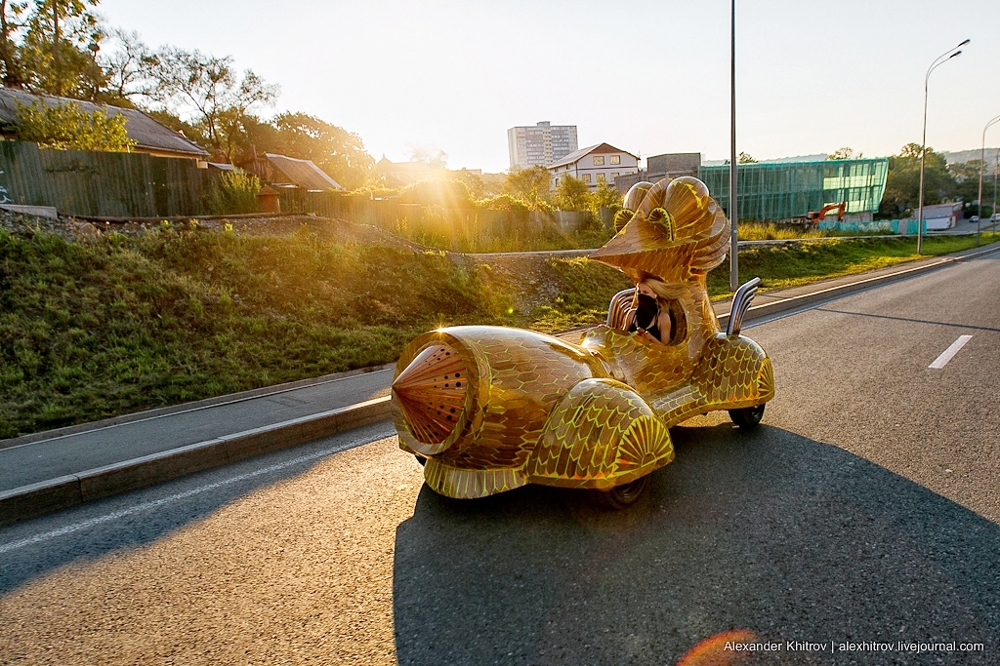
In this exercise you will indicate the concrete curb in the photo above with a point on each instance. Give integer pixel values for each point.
(66, 491)
(195, 405)
(793, 302)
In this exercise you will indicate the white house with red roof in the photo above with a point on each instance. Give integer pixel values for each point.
(593, 165)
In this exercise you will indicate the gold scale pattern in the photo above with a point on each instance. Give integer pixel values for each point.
(534, 409)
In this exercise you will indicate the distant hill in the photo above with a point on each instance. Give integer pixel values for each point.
(961, 156)
(818, 157)
(956, 157)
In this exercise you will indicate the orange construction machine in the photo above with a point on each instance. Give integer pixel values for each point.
(816, 217)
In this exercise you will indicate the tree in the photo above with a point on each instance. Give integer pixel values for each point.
(606, 196)
(966, 176)
(845, 153)
(963, 171)
(58, 54)
(902, 186)
(478, 188)
(572, 194)
(11, 23)
(437, 159)
(445, 193)
(68, 127)
(209, 91)
(339, 153)
(333, 149)
(529, 185)
(125, 68)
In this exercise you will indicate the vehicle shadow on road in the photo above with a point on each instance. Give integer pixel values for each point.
(792, 539)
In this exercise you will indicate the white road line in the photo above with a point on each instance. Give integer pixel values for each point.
(69, 529)
(950, 352)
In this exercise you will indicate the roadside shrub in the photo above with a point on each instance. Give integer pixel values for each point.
(443, 193)
(234, 192)
(68, 127)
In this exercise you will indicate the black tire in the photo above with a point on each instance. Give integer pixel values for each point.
(622, 497)
(420, 459)
(747, 418)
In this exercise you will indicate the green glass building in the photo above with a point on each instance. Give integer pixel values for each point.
(787, 190)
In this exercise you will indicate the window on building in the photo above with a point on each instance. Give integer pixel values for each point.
(598, 160)
(616, 159)
(601, 178)
(615, 174)
(586, 177)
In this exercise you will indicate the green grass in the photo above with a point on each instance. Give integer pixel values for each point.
(793, 265)
(120, 324)
(770, 231)
(442, 234)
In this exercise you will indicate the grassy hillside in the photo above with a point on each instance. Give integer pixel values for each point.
(121, 323)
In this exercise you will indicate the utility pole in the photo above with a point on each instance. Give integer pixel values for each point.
(734, 259)
(55, 47)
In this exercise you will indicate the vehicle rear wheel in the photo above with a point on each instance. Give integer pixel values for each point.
(622, 497)
(748, 417)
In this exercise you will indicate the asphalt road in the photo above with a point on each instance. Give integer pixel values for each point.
(866, 508)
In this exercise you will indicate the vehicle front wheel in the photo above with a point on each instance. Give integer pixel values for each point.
(748, 417)
(622, 497)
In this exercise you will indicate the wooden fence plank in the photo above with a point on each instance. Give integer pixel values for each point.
(103, 184)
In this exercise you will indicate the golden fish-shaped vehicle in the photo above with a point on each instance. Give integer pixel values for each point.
(489, 409)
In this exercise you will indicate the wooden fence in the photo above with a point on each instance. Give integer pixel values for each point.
(100, 183)
(394, 216)
(96, 184)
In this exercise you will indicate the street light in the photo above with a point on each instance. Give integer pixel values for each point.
(734, 262)
(982, 167)
(996, 167)
(940, 60)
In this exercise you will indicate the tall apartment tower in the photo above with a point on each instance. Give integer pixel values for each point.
(540, 145)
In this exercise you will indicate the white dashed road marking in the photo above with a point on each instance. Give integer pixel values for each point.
(950, 352)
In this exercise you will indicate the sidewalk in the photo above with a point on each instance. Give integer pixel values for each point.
(52, 470)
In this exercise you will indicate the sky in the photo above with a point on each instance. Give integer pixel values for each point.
(647, 77)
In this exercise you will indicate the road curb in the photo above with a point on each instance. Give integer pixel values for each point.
(66, 491)
(793, 302)
(230, 398)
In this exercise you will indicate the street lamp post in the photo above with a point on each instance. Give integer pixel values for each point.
(734, 262)
(940, 60)
(982, 167)
(996, 167)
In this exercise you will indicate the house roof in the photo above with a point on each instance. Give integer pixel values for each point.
(384, 165)
(578, 155)
(149, 135)
(303, 173)
(399, 174)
